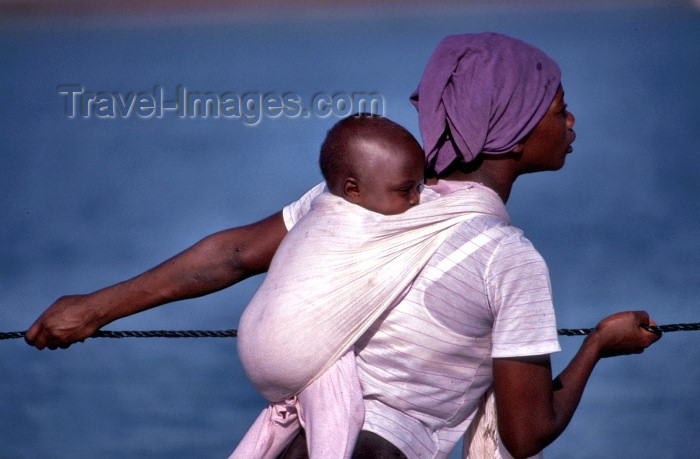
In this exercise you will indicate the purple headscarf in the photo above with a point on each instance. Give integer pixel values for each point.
(490, 90)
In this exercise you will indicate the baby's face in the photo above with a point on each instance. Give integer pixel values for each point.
(394, 181)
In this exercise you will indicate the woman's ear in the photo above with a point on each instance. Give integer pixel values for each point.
(519, 148)
(351, 189)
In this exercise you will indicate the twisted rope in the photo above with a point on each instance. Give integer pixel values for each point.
(233, 333)
(147, 334)
(659, 329)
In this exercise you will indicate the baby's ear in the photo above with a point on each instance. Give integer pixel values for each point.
(351, 189)
(518, 148)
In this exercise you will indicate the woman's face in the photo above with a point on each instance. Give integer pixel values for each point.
(547, 145)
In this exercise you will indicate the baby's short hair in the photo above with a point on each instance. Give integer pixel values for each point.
(337, 159)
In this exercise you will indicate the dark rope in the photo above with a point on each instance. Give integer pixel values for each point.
(147, 334)
(233, 333)
(656, 329)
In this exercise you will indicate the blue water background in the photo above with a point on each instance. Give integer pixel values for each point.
(87, 202)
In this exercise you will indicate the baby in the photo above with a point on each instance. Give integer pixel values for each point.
(374, 163)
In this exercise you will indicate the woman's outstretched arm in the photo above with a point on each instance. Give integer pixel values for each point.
(214, 263)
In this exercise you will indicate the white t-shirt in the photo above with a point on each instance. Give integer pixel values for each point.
(425, 364)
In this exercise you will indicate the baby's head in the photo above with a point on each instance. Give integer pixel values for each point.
(373, 162)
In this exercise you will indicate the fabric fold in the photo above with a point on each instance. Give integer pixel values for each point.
(335, 273)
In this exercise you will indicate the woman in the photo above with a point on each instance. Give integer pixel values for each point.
(491, 108)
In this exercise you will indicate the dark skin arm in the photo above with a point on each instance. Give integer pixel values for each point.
(214, 263)
(532, 409)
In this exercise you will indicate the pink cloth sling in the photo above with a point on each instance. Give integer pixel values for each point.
(279, 422)
(334, 274)
(330, 410)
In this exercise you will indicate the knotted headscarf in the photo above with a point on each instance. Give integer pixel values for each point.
(481, 93)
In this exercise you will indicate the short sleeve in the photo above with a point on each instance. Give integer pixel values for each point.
(521, 300)
(294, 211)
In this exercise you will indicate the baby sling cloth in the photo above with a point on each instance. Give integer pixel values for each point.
(337, 270)
(334, 274)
